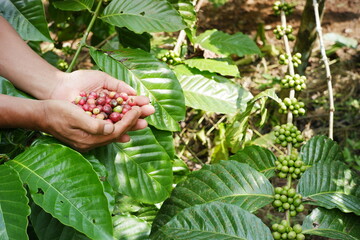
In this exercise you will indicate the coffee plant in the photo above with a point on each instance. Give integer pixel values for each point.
(142, 189)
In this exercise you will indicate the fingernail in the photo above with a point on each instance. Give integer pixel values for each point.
(108, 128)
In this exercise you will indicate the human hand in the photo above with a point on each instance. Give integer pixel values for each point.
(71, 125)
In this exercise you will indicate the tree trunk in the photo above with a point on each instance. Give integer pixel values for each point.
(307, 34)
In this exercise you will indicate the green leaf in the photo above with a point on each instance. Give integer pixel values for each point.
(143, 16)
(224, 44)
(65, 185)
(130, 39)
(186, 10)
(74, 5)
(215, 220)
(228, 181)
(27, 17)
(7, 88)
(140, 168)
(130, 228)
(215, 66)
(320, 149)
(14, 207)
(204, 91)
(166, 140)
(257, 157)
(331, 185)
(237, 129)
(332, 224)
(149, 77)
(47, 227)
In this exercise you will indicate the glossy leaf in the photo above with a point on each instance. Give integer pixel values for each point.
(332, 224)
(224, 44)
(65, 185)
(140, 168)
(47, 227)
(320, 149)
(331, 185)
(130, 39)
(74, 5)
(14, 207)
(31, 25)
(143, 16)
(149, 77)
(130, 228)
(257, 157)
(204, 91)
(214, 220)
(166, 140)
(186, 10)
(214, 66)
(228, 181)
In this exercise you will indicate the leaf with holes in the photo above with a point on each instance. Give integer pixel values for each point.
(228, 181)
(65, 185)
(143, 16)
(331, 185)
(332, 224)
(74, 5)
(14, 207)
(149, 77)
(257, 157)
(210, 92)
(140, 168)
(214, 220)
(320, 149)
(31, 25)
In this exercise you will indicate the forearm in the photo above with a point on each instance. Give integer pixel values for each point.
(20, 112)
(23, 67)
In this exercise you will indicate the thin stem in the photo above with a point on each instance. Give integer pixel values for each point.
(327, 69)
(84, 38)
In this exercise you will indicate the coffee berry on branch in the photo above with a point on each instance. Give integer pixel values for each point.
(285, 58)
(109, 106)
(293, 105)
(294, 81)
(286, 198)
(286, 7)
(171, 58)
(288, 134)
(285, 231)
(290, 165)
(280, 31)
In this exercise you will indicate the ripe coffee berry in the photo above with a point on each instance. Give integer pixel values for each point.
(109, 106)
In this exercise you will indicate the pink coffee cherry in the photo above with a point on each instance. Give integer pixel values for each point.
(124, 96)
(115, 117)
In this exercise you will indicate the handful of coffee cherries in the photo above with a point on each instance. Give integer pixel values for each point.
(109, 106)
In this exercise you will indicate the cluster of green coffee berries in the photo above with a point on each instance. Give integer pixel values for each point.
(284, 231)
(290, 165)
(281, 31)
(171, 58)
(288, 134)
(294, 81)
(285, 58)
(286, 7)
(293, 105)
(286, 198)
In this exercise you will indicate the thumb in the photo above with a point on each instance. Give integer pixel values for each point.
(94, 126)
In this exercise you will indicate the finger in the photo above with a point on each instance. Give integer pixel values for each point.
(113, 84)
(91, 125)
(141, 100)
(124, 138)
(147, 110)
(140, 124)
(127, 122)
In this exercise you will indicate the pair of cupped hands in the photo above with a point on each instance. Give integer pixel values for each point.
(71, 125)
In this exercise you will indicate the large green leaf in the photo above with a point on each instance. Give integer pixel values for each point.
(228, 181)
(210, 92)
(27, 17)
(215, 220)
(257, 157)
(215, 66)
(332, 224)
(149, 77)
(331, 185)
(143, 16)
(14, 207)
(186, 10)
(140, 168)
(224, 44)
(320, 149)
(65, 185)
(130, 39)
(130, 228)
(47, 227)
(74, 5)
(166, 140)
